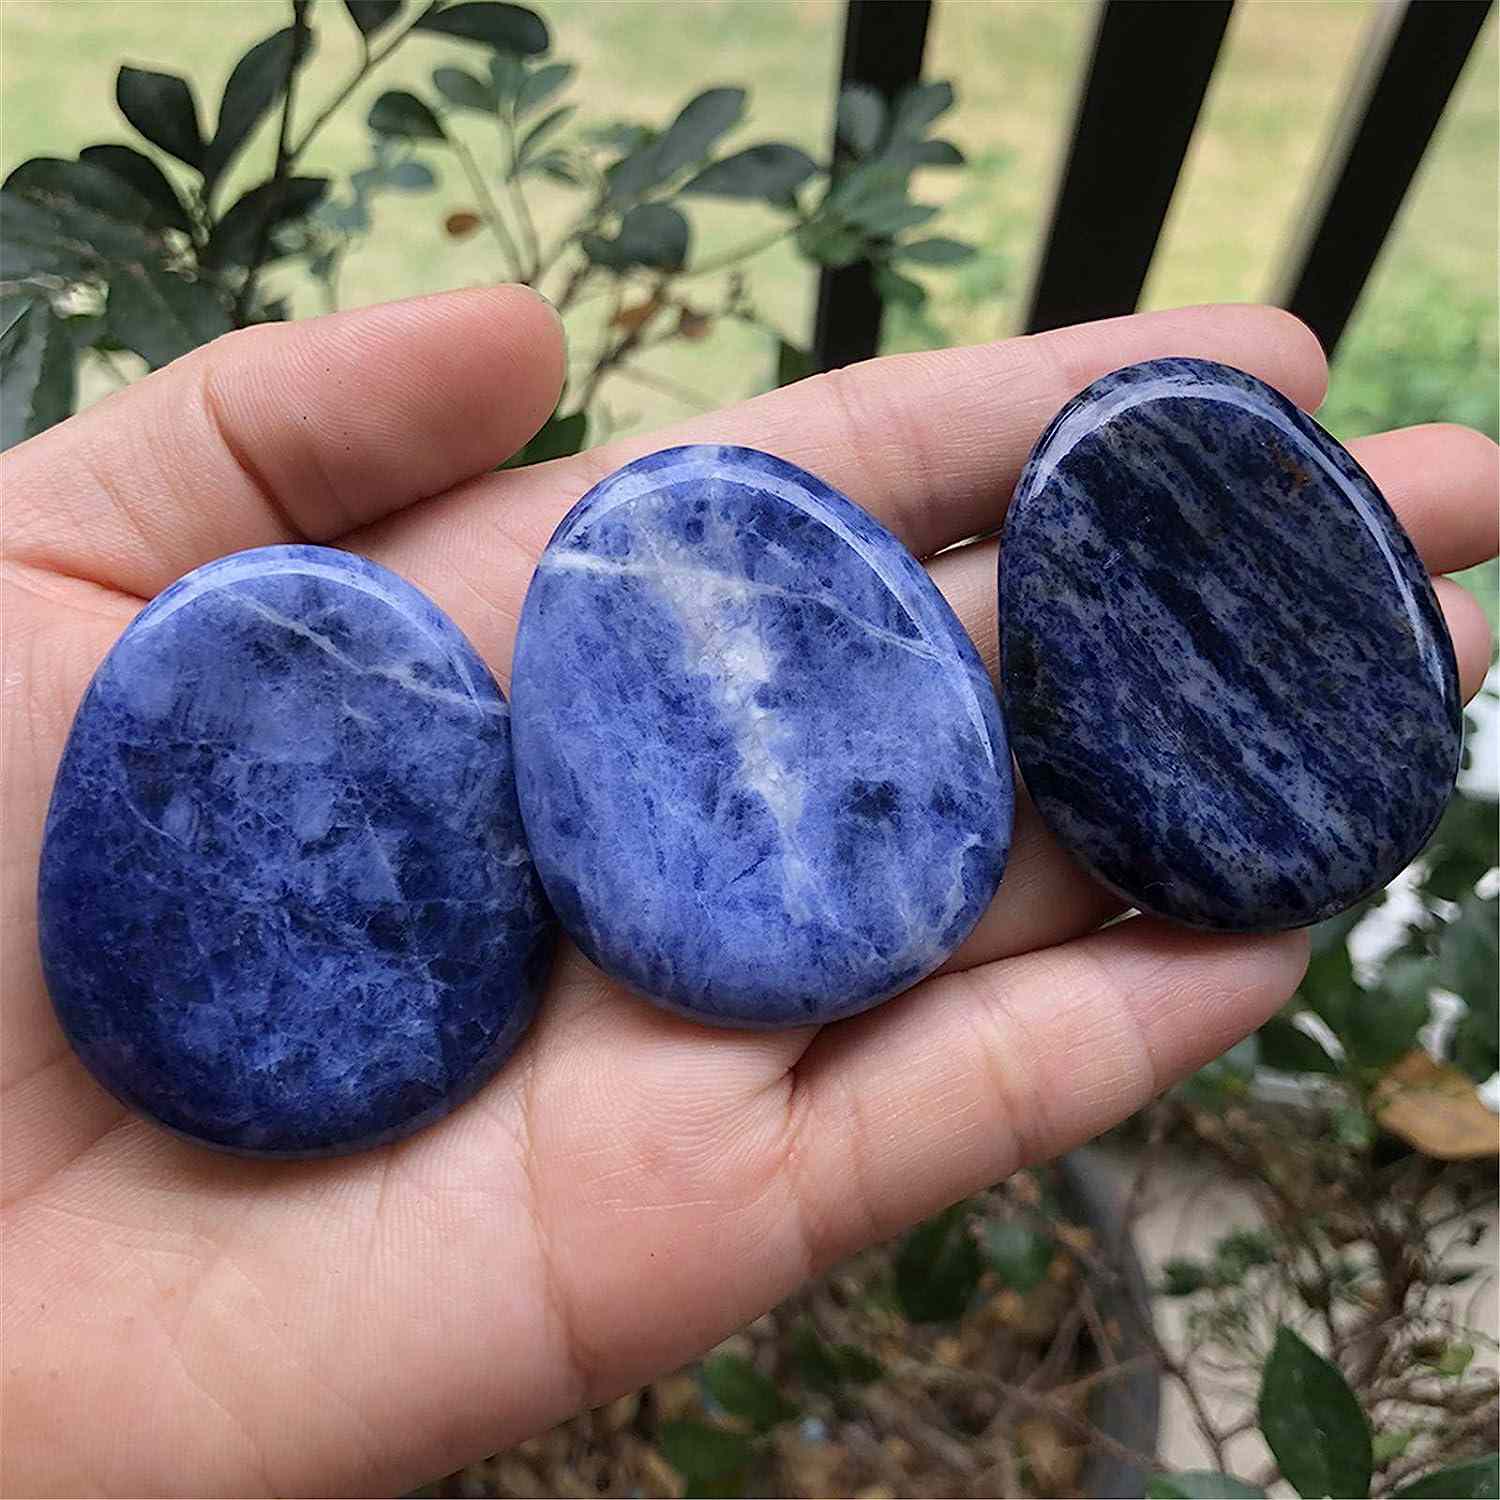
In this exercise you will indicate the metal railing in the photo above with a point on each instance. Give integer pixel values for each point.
(1150, 67)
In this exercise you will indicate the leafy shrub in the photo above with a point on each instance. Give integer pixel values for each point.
(110, 253)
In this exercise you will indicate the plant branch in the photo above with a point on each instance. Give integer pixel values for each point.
(518, 200)
(489, 210)
(370, 60)
(741, 252)
(300, 37)
(628, 344)
(667, 387)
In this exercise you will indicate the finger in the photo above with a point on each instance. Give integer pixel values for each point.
(1470, 631)
(933, 443)
(973, 1075)
(930, 443)
(285, 432)
(1442, 481)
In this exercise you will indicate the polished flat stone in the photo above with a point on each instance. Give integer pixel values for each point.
(760, 765)
(1227, 681)
(286, 905)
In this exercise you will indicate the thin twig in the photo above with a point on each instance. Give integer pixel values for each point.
(682, 393)
(369, 61)
(300, 38)
(1049, 1404)
(489, 210)
(533, 270)
(741, 252)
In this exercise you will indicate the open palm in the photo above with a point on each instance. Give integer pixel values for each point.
(632, 1186)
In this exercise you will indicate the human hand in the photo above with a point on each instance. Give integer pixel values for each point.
(632, 1186)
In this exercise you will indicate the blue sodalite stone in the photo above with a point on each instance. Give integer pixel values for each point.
(1227, 681)
(286, 904)
(760, 765)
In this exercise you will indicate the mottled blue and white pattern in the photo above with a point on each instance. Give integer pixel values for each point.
(1227, 681)
(760, 765)
(286, 903)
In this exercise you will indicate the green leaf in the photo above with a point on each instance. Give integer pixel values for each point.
(1352, 1126)
(159, 315)
(1465, 847)
(770, 171)
(1478, 1479)
(256, 83)
(1383, 1024)
(371, 15)
(399, 113)
(161, 107)
(744, 1392)
(935, 252)
(1474, 1047)
(861, 118)
(620, 135)
(826, 1367)
(698, 125)
(928, 154)
(889, 213)
(919, 106)
(1201, 1484)
(408, 176)
(1456, 1359)
(1313, 1421)
(142, 174)
(687, 140)
(535, 138)
(1239, 1250)
(558, 165)
(1289, 1049)
(32, 243)
(651, 234)
(560, 437)
(506, 73)
(1469, 953)
(1017, 1253)
(633, 174)
(238, 235)
(830, 242)
(91, 214)
(899, 290)
(38, 368)
(506, 28)
(937, 1268)
(463, 89)
(1328, 988)
(1389, 1445)
(654, 234)
(1182, 1277)
(712, 1460)
(540, 85)
(1226, 1078)
(793, 363)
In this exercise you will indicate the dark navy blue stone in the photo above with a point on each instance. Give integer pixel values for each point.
(286, 903)
(1227, 681)
(761, 767)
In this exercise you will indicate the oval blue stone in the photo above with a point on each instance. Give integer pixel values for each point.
(1227, 681)
(761, 767)
(286, 905)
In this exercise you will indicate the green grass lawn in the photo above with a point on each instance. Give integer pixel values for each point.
(1016, 65)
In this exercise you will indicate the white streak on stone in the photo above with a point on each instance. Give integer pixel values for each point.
(1082, 423)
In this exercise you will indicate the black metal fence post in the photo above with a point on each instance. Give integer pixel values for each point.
(1410, 68)
(1146, 80)
(883, 45)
